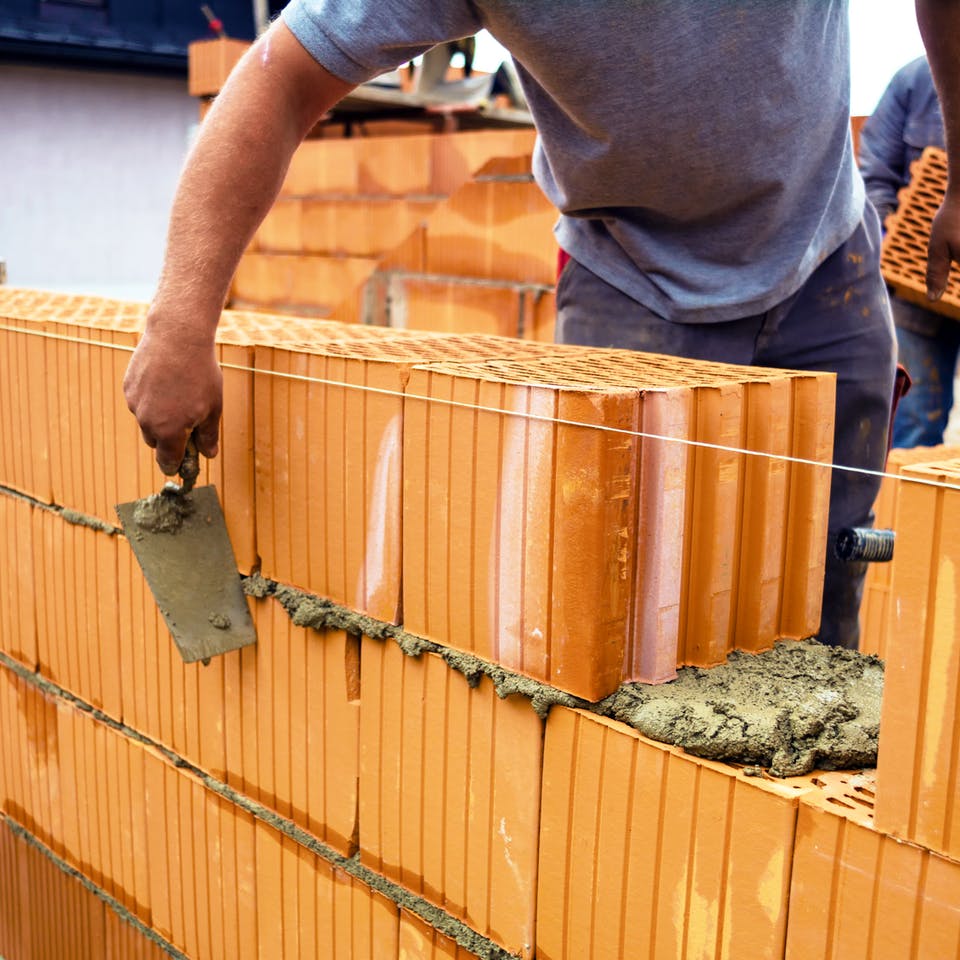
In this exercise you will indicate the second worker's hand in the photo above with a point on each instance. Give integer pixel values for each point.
(174, 387)
(944, 246)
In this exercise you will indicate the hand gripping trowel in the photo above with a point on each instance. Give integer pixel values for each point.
(180, 540)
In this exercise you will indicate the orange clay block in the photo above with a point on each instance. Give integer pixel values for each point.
(353, 227)
(809, 497)
(98, 458)
(918, 784)
(281, 230)
(856, 892)
(903, 259)
(198, 891)
(328, 461)
(329, 430)
(539, 313)
(304, 701)
(78, 637)
(399, 166)
(449, 791)
(448, 305)
(671, 856)
(707, 600)
(25, 428)
(18, 577)
(209, 63)
(517, 548)
(759, 574)
(456, 158)
(311, 284)
(497, 228)
(306, 908)
(876, 611)
(71, 921)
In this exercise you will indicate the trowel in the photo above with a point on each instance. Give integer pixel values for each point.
(179, 537)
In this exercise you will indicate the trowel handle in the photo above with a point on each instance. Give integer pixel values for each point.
(189, 468)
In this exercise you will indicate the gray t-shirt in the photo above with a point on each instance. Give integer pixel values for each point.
(698, 150)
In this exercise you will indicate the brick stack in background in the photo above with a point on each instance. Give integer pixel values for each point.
(350, 216)
(324, 794)
(485, 261)
(209, 64)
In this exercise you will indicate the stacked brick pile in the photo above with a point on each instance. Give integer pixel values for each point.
(348, 238)
(324, 793)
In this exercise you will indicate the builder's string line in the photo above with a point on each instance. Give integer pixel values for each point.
(539, 418)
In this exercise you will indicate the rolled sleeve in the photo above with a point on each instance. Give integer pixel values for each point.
(357, 40)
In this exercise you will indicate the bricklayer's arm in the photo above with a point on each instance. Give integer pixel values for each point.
(939, 22)
(231, 178)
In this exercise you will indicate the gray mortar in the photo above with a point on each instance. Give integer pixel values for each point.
(306, 610)
(792, 709)
(70, 516)
(83, 520)
(162, 512)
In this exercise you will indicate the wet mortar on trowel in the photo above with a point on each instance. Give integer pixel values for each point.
(163, 512)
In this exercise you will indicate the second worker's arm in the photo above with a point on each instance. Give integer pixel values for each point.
(232, 176)
(939, 22)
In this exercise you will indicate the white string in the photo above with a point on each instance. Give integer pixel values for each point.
(511, 413)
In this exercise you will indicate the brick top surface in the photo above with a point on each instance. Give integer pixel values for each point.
(43, 306)
(621, 368)
(944, 471)
(423, 348)
(903, 259)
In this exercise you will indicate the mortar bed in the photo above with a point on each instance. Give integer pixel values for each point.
(798, 707)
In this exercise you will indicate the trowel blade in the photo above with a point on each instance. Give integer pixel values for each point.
(192, 572)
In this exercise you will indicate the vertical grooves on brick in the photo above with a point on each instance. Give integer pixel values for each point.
(879, 875)
(691, 855)
(927, 641)
(552, 540)
(728, 814)
(918, 904)
(363, 593)
(832, 918)
(570, 825)
(602, 751)
(495, 613)
(425, 405)
(521, 662)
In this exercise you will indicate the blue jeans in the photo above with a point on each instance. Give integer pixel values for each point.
(838, 321)
(928, 345)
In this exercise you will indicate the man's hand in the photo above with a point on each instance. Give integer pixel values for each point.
(174, 387)
(944, 246)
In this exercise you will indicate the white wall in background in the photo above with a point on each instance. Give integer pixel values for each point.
(883, 37)
(88, 165)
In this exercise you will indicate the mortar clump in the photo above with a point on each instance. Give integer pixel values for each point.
(797, 707)
(162, 512)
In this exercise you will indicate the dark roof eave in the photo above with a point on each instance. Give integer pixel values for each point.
(129, 56)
